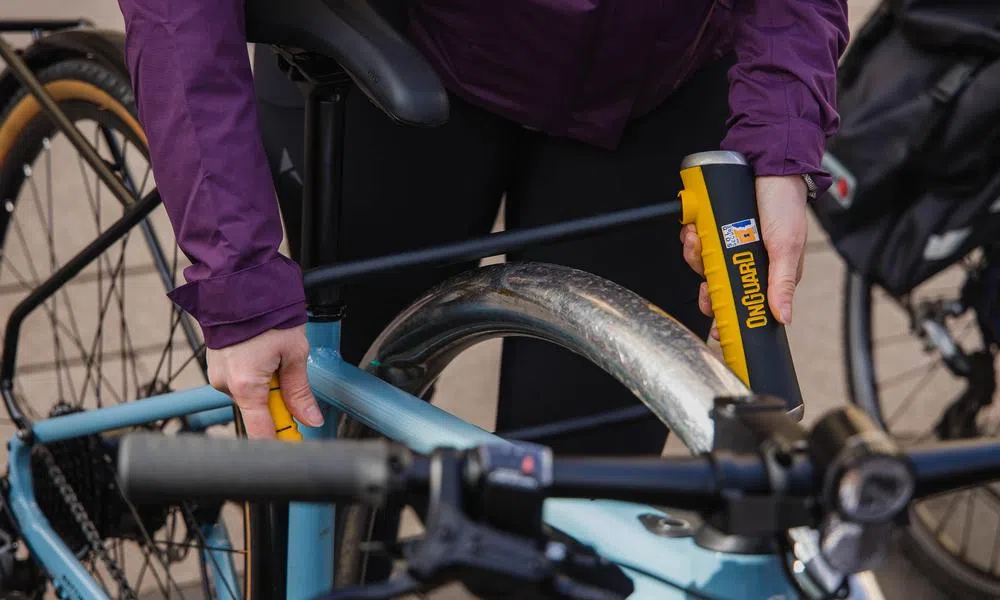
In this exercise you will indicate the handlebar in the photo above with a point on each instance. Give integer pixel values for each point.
(845, 481)
(162, 468)
(189, 466)
(952, 465)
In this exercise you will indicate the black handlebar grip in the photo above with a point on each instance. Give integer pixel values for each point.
(162, 468)
(719, 199)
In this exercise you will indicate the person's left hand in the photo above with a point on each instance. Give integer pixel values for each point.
(781, 204)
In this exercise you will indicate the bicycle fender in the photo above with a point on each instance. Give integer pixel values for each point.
(103, 45)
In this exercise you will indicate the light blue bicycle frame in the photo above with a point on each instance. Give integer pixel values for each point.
(660, 567)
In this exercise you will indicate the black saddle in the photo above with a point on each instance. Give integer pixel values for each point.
(383, 64)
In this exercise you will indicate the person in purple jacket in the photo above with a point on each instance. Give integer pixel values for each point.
(563, 108)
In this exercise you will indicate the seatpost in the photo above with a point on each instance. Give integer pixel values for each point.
(323, 190)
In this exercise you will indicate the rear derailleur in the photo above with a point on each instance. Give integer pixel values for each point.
(981, 292)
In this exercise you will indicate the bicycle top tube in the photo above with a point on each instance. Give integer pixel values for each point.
(486, 246)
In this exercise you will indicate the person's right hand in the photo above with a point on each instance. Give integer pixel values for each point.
(244, 372)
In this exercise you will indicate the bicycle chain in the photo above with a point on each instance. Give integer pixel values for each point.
(79, 513)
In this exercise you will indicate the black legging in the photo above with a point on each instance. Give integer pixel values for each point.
(405, 188)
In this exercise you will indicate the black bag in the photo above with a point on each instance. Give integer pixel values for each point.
(916, 162)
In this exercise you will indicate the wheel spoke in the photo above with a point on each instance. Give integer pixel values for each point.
(155, 249)
(189, 517)
(121, 556)
(995, 553)
(27, 251)
(163, 355)
(124, 341)
(94, 208)
(47, 221)
(128, 348)
(967, 530)
(54, 322)
(104, 304)
(921, 385)
(83, 278)
(81, 361)
(103, 307)
(148, 544)
(100, 578)
(61, 369)
(907, 375)
(892, 340)
(84, 359)
(202, 545)
(119, 154)
(164, 587)
(145, 180)
(22, 282)
(194, 356)
(948, 514)
(146, 566)
(20, 394)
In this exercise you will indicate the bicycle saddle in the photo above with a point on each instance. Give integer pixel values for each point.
(381, 62)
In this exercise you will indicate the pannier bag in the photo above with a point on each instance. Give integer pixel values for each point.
(916, 162)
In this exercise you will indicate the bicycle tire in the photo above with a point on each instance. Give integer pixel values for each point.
(86, 90)
(947, 572)
(550, 303)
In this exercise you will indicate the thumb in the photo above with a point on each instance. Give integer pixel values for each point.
(781, 282)
(297, 394)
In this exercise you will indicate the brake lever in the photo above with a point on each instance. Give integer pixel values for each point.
(497, 564)
(456, 548)
(493, 560)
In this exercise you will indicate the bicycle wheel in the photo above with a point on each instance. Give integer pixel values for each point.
(653, 355)
(923, 367)
(108, 336)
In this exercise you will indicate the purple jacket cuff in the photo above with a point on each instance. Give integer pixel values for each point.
(220, 336)
(794, 147)
(238, 306)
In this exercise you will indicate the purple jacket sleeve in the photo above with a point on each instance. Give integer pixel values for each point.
(194, 88)
(782, 91)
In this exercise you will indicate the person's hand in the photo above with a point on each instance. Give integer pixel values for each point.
(244, 372)
(781, 203)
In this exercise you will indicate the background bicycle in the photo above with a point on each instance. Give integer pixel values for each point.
(815, 335)
(913, 213)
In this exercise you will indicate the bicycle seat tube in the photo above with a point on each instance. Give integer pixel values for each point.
(322, 190)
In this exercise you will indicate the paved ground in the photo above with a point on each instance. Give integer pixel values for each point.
(468, 387)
